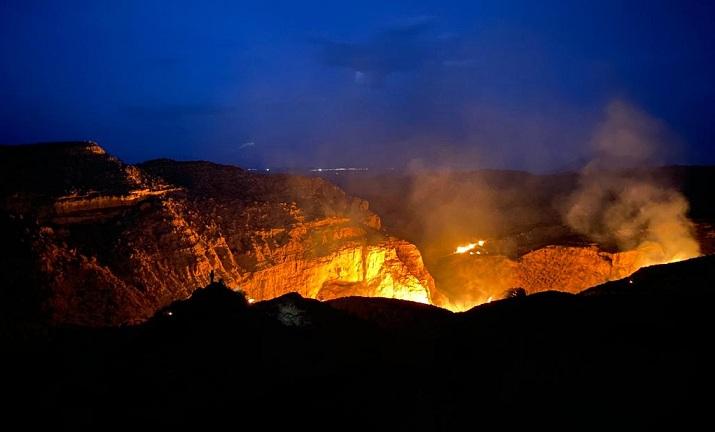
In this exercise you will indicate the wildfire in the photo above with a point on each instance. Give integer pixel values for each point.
(469, 247)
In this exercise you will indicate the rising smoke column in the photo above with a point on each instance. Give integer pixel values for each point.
(619, 204)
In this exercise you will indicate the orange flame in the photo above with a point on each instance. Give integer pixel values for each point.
(469, 247)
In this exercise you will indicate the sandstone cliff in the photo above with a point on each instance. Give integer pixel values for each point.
(112, 242)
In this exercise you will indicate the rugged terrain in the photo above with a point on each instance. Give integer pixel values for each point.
(630, 354)
(474, 280)
(520, 216)
(90, 240)
(93, 241)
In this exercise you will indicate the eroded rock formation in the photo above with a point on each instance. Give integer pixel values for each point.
(469, 280)
(112, 242)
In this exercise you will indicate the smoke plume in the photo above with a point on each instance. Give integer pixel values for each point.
(453, 208)
(619, 203)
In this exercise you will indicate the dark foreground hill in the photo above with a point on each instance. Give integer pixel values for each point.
(633, 354)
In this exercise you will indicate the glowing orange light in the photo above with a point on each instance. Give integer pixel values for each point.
(465, 248)
(469, 247)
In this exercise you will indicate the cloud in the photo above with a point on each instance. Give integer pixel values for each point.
(404, 47)
(246, 145)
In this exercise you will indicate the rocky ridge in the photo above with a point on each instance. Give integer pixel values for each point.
(112, 243)
(471, 280)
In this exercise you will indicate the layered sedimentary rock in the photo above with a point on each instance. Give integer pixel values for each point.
(469, 280)
(111, 243)
(353, 270)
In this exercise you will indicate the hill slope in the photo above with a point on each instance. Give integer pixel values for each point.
(634, 354)
(106, 243)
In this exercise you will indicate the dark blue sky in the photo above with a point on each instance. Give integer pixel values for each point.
(519, 84)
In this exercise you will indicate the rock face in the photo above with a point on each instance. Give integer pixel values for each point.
(112, 243)
(521, 218)
(353, 270)
(472, 280)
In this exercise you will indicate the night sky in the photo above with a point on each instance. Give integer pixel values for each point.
(468, 84)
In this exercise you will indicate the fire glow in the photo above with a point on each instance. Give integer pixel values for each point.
(469, 247)
(488, 277)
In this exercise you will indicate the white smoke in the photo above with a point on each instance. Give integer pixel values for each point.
(618, 203)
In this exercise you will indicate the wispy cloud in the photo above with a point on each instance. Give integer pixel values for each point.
(404, 47)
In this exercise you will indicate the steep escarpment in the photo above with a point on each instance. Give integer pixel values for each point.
(111, 243)
(541, 232)
(468, 280)
(352, 270)
(280, 233)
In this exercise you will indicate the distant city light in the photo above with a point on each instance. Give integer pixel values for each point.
(338, 169)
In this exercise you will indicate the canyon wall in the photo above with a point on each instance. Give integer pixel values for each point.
(111, 243)
(469, 280)
(354, 270)
(656, 215)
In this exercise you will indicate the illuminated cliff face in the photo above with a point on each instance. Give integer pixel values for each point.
(172, 246)
(650, 225)
(372, 271)
(470, 280)
(112, 243)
